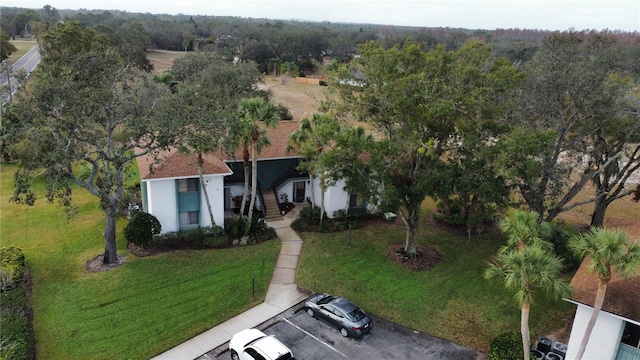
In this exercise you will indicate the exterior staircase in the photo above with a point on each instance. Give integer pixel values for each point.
(273, 209)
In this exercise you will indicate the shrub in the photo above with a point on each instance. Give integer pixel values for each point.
(311, 215)
(506, 346)
(14, 337)
(141, 228)
(260, 231)
(214, 237)
(234, 227)
(169, 239)
(11, 267)
(206, 237)
(191, 237)
(215, 242)
(446, 216)
(284, 112)
(342, 222)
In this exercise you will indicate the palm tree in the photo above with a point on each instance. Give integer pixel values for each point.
(239, 138)
(524, 228)
(525, 270)
(526, 263)
(610, 252)
(302, 142)
(312, 138)
(287, 68)
(255, 114)
(273, 64)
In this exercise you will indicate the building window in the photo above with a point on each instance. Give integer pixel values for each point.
(188, 203)
(355, 200)
(189, 218)
(631, 335)
(187, 185)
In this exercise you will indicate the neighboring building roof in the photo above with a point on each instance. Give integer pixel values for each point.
(621, 298)
(278, 138)
(173, 164)
(622, 295)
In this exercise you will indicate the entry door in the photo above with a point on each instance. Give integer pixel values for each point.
(299, 191)
(227, 198)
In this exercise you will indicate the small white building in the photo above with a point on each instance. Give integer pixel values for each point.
(616, 334)
(171, 189)
(172, 192)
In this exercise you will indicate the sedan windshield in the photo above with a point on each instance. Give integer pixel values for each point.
(356, 315)
(325, 300)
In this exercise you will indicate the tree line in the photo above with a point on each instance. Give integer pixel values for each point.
(272, 42)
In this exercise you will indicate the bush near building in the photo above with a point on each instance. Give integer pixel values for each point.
(14, 337)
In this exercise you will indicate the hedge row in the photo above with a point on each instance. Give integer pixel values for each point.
(14, 337)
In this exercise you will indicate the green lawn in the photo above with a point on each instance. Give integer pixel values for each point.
(152, 304)
(22, 47)
(136, 311)
(451, 301)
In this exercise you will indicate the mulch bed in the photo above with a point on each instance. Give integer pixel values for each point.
(426, 258)
(96, 264)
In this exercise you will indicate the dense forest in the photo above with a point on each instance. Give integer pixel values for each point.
(271, 43)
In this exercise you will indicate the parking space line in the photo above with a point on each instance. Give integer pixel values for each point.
(317, 339)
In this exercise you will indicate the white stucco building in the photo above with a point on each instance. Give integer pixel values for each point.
(616, 334)
(171, 189)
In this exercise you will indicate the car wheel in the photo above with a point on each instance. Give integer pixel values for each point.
(234, 355)
(310, 312)
(344, 332)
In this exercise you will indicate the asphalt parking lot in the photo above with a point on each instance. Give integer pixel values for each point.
(312, 339)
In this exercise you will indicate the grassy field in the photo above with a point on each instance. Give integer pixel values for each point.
(23, 46)
(162, 60)
(138, 310)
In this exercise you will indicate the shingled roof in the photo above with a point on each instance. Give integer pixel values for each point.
(278, 138)
(173, 164)
(622, 296)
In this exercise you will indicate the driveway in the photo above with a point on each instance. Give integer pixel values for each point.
(312, 339)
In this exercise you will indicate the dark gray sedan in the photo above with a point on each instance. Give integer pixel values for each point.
(339, 312)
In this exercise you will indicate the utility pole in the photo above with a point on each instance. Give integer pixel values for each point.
(7, 69)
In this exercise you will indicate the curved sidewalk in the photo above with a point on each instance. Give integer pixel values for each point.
(282, 294)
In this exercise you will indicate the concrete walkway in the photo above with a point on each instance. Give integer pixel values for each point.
(282, 294)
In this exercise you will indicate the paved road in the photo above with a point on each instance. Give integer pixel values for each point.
(312, 339)
(27, 62)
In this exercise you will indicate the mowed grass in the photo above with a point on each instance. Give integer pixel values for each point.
(452, 301)
(162, 60)
(136, 311)
(22, 46)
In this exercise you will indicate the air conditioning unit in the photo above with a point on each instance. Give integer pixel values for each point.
(559, 348)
